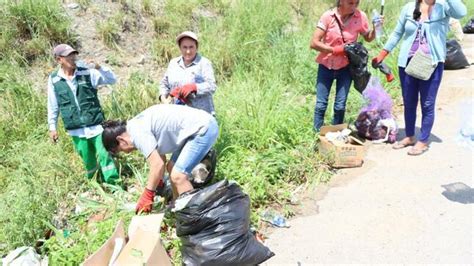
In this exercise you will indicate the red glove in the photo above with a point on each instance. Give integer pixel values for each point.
(338, 50)
(145, 202)
(377, 60)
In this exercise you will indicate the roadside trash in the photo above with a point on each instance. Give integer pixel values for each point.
(214, 227)
(274, 219)
(456, 28)
(375, 121)
(204, 172)
(358, 58)
(339, 137)
(469, 27)
(465, 136)
(350, 154)
(455, 58)
(24, 256)
(143, 248)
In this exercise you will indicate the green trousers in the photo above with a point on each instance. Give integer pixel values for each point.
(92, 151)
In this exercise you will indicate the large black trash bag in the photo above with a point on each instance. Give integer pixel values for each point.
(214, 228)
(358, 58)
(455, 58)
(469, 27)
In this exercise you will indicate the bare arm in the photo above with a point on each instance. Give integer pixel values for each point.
(157, 169)
(317, 44)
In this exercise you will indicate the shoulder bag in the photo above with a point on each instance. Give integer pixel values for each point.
(420, 65)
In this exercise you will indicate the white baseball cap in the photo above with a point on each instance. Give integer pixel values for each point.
(188, 34)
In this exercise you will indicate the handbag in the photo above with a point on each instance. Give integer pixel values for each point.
(420, 65)
(358, 57)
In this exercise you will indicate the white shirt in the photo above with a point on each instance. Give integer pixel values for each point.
(98, 77)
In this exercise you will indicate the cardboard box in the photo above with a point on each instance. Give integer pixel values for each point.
(143, 248)
(342, 155)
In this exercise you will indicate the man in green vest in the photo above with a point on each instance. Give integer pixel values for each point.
(72, 92)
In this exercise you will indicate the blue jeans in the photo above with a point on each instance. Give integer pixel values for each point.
(324, 82)
(194, 150)
(425, 90)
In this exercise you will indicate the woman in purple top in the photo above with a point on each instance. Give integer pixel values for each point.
(423, 25)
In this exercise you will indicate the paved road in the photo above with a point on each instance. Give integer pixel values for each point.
(396, 208)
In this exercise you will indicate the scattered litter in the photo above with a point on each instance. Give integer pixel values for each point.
(469, 27)
(24, 256)
(465, 136)
(275, 219)
(375, 121)
(73, 5)
(339, 137)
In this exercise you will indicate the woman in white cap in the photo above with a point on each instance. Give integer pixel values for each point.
(189, 77)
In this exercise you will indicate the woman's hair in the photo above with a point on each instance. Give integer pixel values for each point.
(417, 12)
(112, 129)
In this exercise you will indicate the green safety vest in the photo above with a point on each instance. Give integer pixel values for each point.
(89, 112)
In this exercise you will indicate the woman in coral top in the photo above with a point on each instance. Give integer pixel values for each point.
(333, 63)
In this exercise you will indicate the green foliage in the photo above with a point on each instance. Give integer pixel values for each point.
(29, 28)
(109, 32)
(38, 177)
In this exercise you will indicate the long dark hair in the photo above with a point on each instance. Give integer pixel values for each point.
(112, 129)
(417, 12)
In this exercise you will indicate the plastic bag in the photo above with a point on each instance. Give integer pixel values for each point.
(375, 120)
(214, 227)
(358, 58)
(469, 27)
(455, 58)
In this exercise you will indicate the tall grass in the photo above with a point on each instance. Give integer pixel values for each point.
(29, 28)
(265, 99)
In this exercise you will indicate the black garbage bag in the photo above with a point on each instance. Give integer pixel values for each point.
(358, 58)
(469, 27)
(214, 228)
(455, 58)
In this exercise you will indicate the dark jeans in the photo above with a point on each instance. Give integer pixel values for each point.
(426, 90)
(324, 82)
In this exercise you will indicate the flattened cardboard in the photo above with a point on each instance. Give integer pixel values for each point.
(104, 253)
(345, 155)
(143, 248)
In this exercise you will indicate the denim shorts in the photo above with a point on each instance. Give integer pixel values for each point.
(195, 148)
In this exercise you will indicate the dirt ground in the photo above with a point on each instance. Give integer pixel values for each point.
(395, 208)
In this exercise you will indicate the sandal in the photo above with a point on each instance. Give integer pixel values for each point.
(417, 151)
(402, 144)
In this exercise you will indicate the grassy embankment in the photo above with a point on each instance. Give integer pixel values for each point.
(265, 101)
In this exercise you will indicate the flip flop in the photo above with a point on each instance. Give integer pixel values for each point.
(401, 145)
(415, 151)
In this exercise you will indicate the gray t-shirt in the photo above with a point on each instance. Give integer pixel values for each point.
(165, 127)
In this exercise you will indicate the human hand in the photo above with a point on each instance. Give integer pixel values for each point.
(53, 135)
(166, 99)
(338, 50)
(145, 202)
(377, 60)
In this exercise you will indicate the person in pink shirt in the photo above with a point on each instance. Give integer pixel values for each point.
(333, 63)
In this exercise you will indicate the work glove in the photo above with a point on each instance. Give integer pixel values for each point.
(185, 91)
(146, 201)
(377, 60)
(338, 50)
